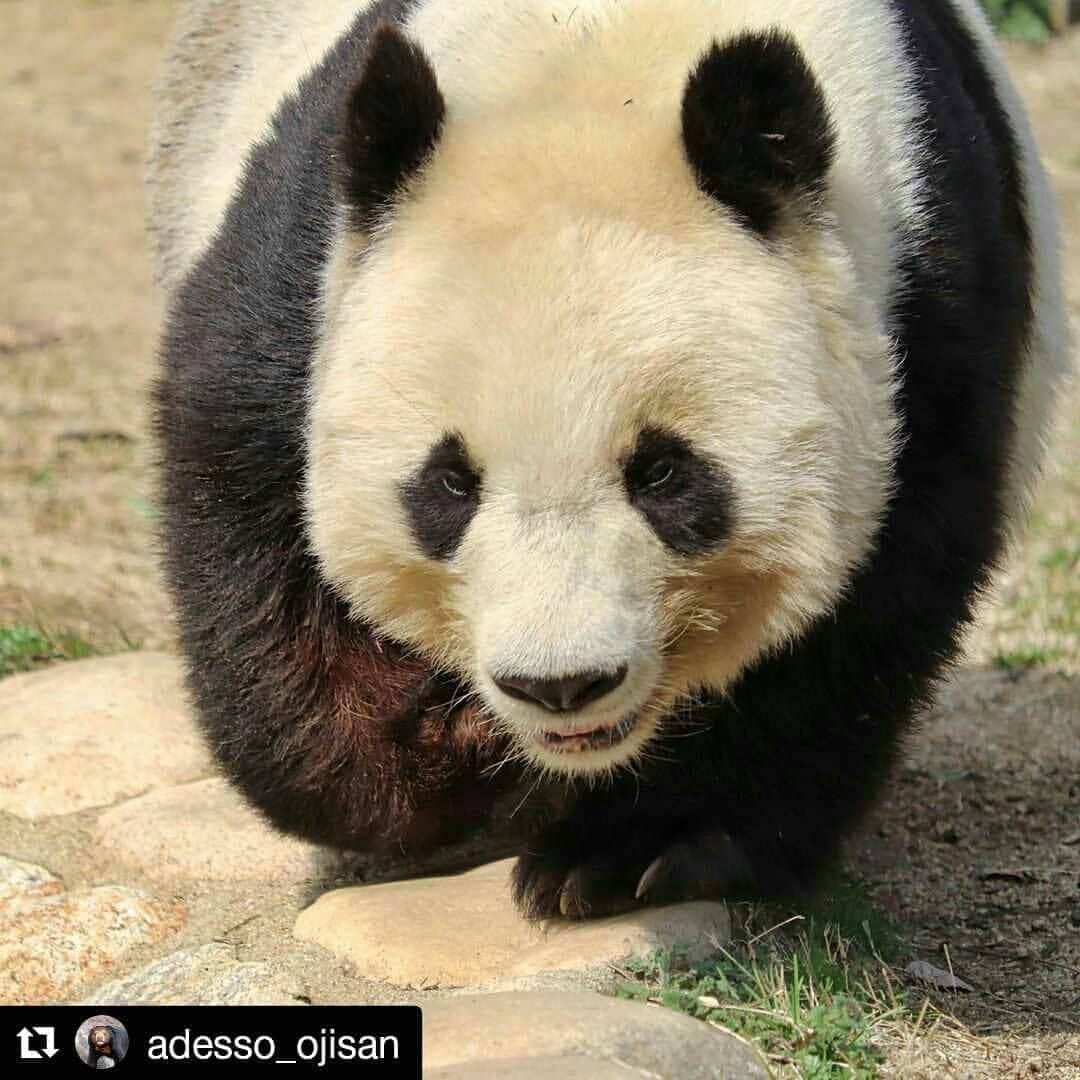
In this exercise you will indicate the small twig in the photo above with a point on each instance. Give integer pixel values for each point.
(766, 933)
(766, 1012)
(224, 939)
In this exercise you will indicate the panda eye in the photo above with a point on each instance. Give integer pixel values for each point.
(657, 474)
(456, 483)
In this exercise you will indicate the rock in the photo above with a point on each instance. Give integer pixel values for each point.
(577, 1067)
(210, 975)
(21, 881)
(52, 940)
(463, 930)
(493, 1032)
(201, 830)
(93, 732)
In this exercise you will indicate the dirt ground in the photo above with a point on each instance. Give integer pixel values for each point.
(977, 847)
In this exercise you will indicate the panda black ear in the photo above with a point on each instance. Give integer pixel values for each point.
(756, 128)
(392, 122)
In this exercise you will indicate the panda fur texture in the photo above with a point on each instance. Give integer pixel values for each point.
(601, 417)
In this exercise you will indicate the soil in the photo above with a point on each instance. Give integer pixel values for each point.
(976, 848)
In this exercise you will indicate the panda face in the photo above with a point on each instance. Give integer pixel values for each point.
(582, 435)
(593, 464)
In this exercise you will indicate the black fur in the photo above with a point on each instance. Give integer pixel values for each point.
(442, 497)
(392, 123)
(755, 127)
(787, 762)
(687, 500)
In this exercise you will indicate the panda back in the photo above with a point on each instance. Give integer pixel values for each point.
(228, 66)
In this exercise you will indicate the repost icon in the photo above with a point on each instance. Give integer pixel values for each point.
(37, 1043)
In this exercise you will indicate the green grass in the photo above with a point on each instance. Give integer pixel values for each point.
(25, 648)
(43, 477)
(144, 508)
(811, 999)
(1024, 20)
(1062, 558)
(1039, 523)
(1025, 656)
(845, 904)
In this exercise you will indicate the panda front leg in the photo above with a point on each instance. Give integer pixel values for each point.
(605, 860)
(663, 839)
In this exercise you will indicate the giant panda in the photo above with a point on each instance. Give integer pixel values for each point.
(596, 417)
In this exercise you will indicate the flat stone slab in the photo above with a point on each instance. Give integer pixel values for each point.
(463, 930)
(201, 830)
(210, 975)
(93, 732)
(52, 940)
(564, 1067)
(468, 1034)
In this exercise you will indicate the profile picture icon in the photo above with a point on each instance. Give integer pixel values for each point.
(101, 1042)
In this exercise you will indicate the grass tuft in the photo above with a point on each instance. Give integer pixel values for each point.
(813, 992)
(25, 648)
(1025, 656)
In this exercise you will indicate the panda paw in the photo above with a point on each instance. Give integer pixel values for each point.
(649, 866)
(706, 865)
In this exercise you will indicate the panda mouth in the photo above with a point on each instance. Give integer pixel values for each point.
(576, 742)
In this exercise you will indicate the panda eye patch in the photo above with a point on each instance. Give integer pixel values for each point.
(687, 499)
(441, 497)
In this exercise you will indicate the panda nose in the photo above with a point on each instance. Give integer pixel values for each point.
(566, 694)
